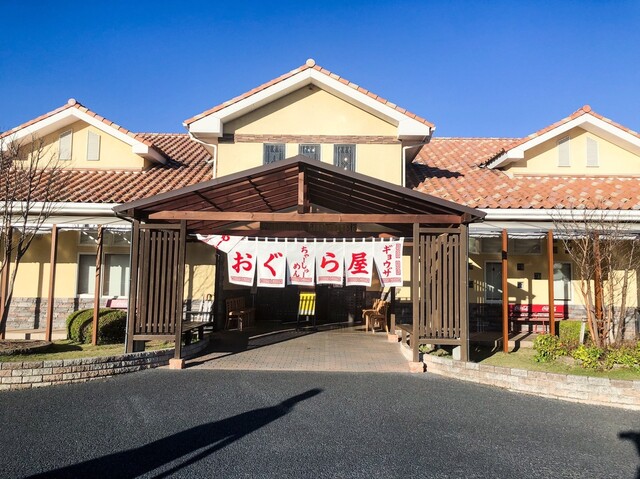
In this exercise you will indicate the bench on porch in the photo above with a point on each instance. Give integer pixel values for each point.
(198, 320)
(237, 311)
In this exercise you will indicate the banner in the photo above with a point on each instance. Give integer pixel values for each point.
(242, 263)
(358, 258)
(272, 262)
(223, 243)
(301, 260)
(329, 262)
(388, 259)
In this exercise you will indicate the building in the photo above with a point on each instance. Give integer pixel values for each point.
(522, 184)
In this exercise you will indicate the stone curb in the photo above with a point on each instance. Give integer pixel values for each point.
(32, 374)
(581, 389)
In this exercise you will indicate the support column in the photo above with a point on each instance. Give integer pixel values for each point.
(415, 291)
(463, 305)
(96, 289)
(4, 290)
(505, 293)
(180, 290)
(52, 283)
(133, 285)
(552, 307)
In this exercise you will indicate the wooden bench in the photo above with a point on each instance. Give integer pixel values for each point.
(238, 312)
(376, 317)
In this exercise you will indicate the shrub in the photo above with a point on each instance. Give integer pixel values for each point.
(570, 333)
(548, 347)
(111, 325)
(625, 355)
(588, 355)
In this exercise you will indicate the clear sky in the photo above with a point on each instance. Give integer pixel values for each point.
(473, 68)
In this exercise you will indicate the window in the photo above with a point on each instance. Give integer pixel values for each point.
(86, 273)
(64, 145)
(592, 152)
(474, 245)
(89, 237)
(562, 281)
(564, 152)
(344, 156)
(311, 150)
(115, 274)
(493, 282)
(272, 152)
(491, 245)
(526, 246)
(93, 146)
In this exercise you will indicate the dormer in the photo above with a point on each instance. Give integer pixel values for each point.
(583, 144)
(82, 139)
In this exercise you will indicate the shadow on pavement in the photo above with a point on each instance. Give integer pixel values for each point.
(635, 438)
(203, 440)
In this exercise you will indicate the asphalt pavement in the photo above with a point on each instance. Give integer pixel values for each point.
(223, 424)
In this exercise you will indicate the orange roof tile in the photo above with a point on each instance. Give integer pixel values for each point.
(450, 168)
(306, 66)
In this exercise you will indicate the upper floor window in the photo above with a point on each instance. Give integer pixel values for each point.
(93, 146)
(272, 152)
(310, 150)
(592, 152)
(64, 145)
(564, 152)
(344, 156)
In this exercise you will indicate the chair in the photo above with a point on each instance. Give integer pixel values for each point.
(379, 318)
(367, 312)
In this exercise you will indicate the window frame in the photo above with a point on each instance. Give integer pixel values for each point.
(570, 283)
(265, 152)
(353, 159)
(564, 149)
(318, 156)
(92, 134)
(65, 134)
(486, 283)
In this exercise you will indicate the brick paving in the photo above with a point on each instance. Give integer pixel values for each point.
(337, 349)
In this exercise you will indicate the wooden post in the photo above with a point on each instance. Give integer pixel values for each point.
(133, 285)
(96, 289)
(4, 289)
(415, 291)
(505, 293)
(552, 308)
(52, 283)
(180, 289)
(463, 305)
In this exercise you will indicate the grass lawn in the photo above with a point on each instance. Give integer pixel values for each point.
(67, 349)
(523, 359)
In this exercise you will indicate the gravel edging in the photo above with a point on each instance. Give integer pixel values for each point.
(35, 374)
(582, 389)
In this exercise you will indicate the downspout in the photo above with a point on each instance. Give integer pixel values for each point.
(214, 160)
(425, 141)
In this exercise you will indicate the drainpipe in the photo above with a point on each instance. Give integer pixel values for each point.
(214, 160)
(425, 141)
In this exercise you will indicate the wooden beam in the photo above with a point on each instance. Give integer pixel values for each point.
(4, 283)
(397, 218)
(52, 283)
(463, 297)
(505, 293)
(180, 289)
(552, 308)
(133, 285)
(96, 288)
(415, 291)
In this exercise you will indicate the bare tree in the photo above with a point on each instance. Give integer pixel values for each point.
(30, 174)
(606, 253)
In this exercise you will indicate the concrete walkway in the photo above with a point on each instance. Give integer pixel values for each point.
(337, 349)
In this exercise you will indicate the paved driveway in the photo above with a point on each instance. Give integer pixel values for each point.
(331, 349)
(272, 424)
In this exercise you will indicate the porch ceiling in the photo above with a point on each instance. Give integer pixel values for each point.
(294, 186)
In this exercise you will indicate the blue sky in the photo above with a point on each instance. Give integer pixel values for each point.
(472, 68)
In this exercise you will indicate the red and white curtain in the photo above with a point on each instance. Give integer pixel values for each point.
(306, 262)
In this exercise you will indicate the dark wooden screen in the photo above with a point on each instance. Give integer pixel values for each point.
(157, 279)
(439, 277)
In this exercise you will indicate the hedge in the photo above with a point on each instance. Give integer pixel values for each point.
(111, 325)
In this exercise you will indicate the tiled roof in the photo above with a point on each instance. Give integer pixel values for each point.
(586, 109)
(306, 66)
(72, 103)
(450, 168)
(186, 165)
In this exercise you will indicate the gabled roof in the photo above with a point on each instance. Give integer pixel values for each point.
(186, 164)
(73, 111)
(275, 188)
(584, 118)
(211, 122)
(450, 168)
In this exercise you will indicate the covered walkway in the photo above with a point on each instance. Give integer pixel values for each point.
(346, 348)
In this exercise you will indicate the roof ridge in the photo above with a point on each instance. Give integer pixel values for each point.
(309, 64)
